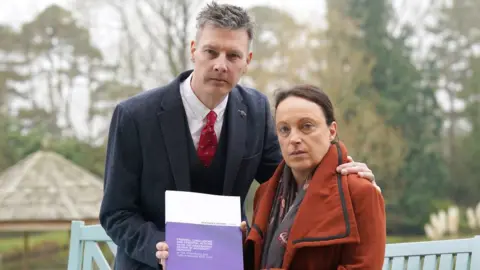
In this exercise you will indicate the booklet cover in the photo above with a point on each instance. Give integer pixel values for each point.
(203, 231)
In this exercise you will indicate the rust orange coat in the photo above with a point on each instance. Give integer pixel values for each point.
(340, 224)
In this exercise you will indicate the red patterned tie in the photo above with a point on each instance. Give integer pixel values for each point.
(208, 140)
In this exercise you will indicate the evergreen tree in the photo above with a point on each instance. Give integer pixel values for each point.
(408, 102)
(456, 33)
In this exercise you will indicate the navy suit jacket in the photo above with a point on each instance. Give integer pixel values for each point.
(147, 155)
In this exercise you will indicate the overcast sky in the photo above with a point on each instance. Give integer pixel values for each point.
(16, 12)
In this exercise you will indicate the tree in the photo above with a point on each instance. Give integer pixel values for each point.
(339, 67)
(46, 62)
(52, 48)
(276, 62)
(8, 42)
(465, 163)
(455, 34)
(15, 145)
(154, 37)
(328, 59)
(407, 101)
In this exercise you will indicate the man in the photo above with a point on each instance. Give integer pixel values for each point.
(201, 133)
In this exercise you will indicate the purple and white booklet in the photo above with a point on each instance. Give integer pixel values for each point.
(203, 231)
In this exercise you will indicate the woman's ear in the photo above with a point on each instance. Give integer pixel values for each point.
(333, 131)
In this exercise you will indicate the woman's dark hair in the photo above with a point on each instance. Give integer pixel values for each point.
(310, 93)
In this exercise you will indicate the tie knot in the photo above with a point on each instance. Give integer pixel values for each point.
(211, 118)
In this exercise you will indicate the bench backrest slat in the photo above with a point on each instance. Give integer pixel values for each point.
(458, 254)
(84, 250)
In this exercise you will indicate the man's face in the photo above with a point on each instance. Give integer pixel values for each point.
(220, 58)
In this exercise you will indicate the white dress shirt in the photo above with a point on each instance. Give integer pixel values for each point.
(197, 112)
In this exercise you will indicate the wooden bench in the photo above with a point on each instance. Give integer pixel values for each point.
(84, 249)
(458, 254)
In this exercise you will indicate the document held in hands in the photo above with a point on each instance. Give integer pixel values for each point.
(203, 231)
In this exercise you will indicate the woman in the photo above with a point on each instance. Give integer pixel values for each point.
(307, 216)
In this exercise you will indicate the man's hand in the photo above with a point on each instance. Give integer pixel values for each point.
(162, 253)
(357, 167)
(243, 228)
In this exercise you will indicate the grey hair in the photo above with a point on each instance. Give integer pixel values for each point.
(226, 16)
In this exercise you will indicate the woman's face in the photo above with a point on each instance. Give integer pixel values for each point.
(303, 133)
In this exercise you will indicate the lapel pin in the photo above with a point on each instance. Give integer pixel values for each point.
(242, 113)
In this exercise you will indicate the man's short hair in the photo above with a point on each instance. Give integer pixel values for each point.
(225, 16)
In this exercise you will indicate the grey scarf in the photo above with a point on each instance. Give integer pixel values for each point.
(284, 209)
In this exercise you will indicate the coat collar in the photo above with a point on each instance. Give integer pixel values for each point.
(171, 117)
(326, 215)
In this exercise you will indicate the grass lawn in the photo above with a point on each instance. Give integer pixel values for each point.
(56, 261)
(10, 243)
(61, 238)
(402, 239)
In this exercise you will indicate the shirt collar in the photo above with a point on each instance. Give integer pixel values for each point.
(199, 109)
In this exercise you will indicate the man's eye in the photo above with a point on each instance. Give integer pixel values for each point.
(283, 130)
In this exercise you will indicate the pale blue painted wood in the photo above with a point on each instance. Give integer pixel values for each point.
(458, 254)
(430, 262)
(398, 263)
(475, 258)
(414, 263)
(76, 246)
(429, 247)
(112, 247)
(386, 264)
(94, 254)
(446, 262)
(84, 250)
(462, 261)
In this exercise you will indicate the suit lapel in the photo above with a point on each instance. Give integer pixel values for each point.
(237, 125)
(171, 116)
